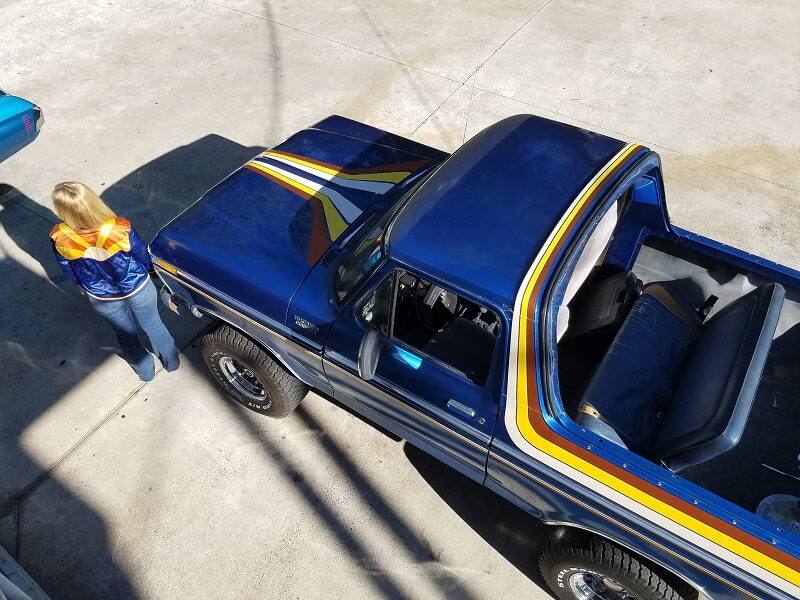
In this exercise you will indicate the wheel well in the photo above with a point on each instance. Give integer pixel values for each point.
(219, 321)
(570, 533)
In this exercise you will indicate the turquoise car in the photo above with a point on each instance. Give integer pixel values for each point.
(20, 123)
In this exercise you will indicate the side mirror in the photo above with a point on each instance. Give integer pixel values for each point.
(368, 354)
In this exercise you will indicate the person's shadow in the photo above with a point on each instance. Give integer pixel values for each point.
(51, 341)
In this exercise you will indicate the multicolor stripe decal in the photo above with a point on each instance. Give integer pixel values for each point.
(101, 244)
(531, 433)
(333, 212)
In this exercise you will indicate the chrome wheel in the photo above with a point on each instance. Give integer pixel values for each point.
(592, 586)
(242, 379)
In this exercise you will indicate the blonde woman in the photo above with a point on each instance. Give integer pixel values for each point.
(104, 255)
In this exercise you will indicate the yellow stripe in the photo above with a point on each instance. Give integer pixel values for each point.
(105, 231)
(588, 468)
(70, 253)
(388, 176)
(124, 244)
(336, 224)
(166, 266)
(68, 231)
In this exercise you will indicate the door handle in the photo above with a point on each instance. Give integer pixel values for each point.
(457, 406)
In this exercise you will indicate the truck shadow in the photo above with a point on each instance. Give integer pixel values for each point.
(385, 581)
(51, 344)
(513, 533)
(57, 535)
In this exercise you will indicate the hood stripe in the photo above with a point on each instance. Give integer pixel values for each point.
(330, 198)
(392, 173)
(374, 187)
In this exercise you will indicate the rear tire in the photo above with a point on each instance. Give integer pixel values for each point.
(596, 569)
(249, 375)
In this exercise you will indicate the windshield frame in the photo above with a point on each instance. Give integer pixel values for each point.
(380, 230)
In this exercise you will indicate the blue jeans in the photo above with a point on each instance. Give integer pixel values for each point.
(127, 316)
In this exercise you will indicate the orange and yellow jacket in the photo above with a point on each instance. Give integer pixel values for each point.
(109, 263)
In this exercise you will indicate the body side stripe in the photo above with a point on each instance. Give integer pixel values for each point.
(616, 523)
(537, 439)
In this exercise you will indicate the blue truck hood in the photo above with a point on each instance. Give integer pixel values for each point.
(257, 233)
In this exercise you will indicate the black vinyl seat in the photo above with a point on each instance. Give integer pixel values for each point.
(675, 389)
(466, 345)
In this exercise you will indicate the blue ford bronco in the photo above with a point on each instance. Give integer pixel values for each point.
(524, 311)
(20, 123)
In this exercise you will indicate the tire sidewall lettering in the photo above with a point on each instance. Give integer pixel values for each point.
(565, 572)
(212, 363)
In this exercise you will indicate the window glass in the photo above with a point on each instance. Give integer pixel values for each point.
(374, 309)
(429, 318)
(443, 325)
(363, 260)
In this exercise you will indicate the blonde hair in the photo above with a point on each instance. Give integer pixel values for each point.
(79, 207)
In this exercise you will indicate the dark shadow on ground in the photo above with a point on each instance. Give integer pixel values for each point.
(55, 341)
(384, 581)
(51, 341)
(515, 534)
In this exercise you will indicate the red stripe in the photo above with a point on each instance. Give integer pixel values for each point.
(320, 238)
(391, 168)
(542, 428)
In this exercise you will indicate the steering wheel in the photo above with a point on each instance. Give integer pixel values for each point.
(425, 302)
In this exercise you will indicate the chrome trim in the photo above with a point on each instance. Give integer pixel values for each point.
(38, 115)
(461, 407)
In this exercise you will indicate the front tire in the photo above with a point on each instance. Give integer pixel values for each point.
(250, 375)
(598, 570)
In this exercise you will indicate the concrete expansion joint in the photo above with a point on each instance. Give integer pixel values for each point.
(463, 83)
(16, 501)
(328, 39)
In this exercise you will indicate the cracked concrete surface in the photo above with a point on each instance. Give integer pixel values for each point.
(114, 489)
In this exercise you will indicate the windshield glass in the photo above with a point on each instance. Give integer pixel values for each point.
(367, 255)
(370, 251)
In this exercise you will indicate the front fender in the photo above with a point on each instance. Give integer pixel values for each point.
(303, 363)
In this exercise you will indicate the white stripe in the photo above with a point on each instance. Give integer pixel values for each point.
(376, 187)
(348, 210)
(583, 479)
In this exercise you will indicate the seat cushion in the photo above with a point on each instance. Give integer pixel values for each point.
(634, 382)
(465, 345)
(710, 407)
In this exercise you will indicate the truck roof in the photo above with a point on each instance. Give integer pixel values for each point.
(481, 218)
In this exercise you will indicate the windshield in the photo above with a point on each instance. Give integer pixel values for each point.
(363, 260)
(370, 251)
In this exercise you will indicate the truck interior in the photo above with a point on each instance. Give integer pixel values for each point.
(688, 361)
(435, 321)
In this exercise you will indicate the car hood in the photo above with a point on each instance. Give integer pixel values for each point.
(256, 234)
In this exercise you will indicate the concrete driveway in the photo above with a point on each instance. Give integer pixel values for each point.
(114, 489)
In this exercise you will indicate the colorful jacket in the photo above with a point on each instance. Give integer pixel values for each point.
(109, 263)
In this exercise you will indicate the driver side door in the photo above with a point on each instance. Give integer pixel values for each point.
(423, 399)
